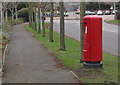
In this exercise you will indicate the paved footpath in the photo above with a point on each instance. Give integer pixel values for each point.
(28, 61)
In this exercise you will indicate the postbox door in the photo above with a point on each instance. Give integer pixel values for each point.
(86, 50)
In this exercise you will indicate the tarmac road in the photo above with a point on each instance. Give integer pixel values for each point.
(110, 34)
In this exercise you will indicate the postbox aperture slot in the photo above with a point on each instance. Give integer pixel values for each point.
(85, 32)
(86, 29)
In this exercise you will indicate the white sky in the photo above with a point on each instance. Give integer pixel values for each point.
(60, 0)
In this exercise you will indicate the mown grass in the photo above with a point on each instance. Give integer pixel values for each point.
(115, 21)
(71, 59)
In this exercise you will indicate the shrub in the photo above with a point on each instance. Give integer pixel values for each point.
(4, 41)
(14, 22)
(23, 13)
(4, 32)
(5, 35)
(6, 27)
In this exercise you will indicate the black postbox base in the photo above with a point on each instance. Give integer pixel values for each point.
(93, 64)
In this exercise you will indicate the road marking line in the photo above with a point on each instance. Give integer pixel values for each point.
(74, 74)
(109, 30)
(77, 22)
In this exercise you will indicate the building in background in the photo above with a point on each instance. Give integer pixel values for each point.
(72, 6)
(69, 6)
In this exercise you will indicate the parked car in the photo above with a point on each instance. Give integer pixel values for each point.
(89, 13)
(58, 13)
(100, 12)
(113, 12)
(66, 14)
(107, 12)
(92, 13)
(47, 14)
(44, 17)
(77, 13)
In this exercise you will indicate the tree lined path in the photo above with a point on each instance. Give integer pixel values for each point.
(28, 61)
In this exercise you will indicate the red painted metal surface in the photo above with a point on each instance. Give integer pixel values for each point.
(92, 38)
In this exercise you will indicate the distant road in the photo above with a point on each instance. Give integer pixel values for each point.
(110, 34)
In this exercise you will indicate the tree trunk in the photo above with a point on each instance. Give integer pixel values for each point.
(1, 14)
(12, 14)
(99, 5)
(32, 21)
(82, 14)
(35, 18)
(29, 11)
(62, 38)
(6, 16)
(51, 23)
(39, 25)
(43, 25)
(29, 15)
(16, 12)
(117, 16)
(3, 17)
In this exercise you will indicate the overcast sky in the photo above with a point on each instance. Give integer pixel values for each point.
(60, 0)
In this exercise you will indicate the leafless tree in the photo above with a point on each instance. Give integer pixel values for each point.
(11, 6)
(16, 11)
(30, 13)
(43, 22)
(35, 17)
(39, 16)
(82, 14)
(51, 23)
(62, 30)
(4, 11)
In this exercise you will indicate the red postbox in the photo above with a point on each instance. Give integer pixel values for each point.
(92, 52)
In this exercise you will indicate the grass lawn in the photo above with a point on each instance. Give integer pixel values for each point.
(71, 59)
(115, 21)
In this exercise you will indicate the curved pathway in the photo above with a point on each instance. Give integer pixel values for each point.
(28, 61)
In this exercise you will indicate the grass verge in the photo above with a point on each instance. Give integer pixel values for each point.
(71, 59)
(115, 21)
